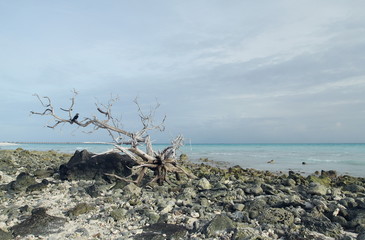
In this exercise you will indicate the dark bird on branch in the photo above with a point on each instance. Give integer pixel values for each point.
(74, 118)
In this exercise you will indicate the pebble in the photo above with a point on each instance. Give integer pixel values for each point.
(221, 204)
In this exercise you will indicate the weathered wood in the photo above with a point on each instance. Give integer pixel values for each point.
(160, 162)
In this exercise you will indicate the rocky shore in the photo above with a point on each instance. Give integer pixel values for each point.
(51, 195)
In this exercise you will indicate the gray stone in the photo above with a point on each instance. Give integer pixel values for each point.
(5, 235)
(161, 231)
(203, 183)
(322, 224)
(204, 202)
(152, 216)
(240, 216)
(239, 206)
(39, 223)
(349, 202)
(361, 236)
(317, 189)
(255, 207)
(359, 219)
(219, 224)
(289, 182)
(220, 185)
(44, 173)
(169, 206)
(38, 186)
(345, 237)
(80, 208)
(360, 228)
(189, 192)
(184, 157)
(341, 220)
(83, 231)
(132, 188)
(255, 190)
(354, 188)
(93, 191)
(22, 181)
(269, 189)
(246, 233)
(276, 216)
(119, 214)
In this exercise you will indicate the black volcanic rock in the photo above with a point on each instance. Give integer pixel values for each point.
(85, 165)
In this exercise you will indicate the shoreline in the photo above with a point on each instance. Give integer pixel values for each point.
(345, 159)
(232, 203)
(17, 143)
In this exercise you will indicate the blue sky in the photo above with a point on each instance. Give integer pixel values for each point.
(223, 71)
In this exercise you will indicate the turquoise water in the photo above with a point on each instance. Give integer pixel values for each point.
(344, 158)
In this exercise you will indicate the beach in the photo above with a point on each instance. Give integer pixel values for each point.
(345, 158)
(38, 201)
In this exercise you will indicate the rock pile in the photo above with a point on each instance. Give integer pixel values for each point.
(232, 203)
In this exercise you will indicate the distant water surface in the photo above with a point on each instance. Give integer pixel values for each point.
(344, 158)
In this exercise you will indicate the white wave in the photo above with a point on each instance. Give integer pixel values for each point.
(7, 144)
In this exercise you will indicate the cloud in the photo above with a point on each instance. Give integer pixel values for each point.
(351, 83)
(278, 71)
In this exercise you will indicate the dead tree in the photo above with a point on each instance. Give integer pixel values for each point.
(129, 143)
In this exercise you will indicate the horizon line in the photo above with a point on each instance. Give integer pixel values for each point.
(218, 143)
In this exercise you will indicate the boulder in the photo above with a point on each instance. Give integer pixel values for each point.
(39, 223)
(5, 235)
(322, 225)
(276, 216)
(323, 180)
(219, 224)
(152, 215)
(358, 219)
(93, 190)
(162, 231)
(255, 207)
(203, 183)
(38, 186)
(254, 189)
(317, 189)
(132, 189)
(247, 233)
(183, 157)
(331, 174)
(361, 236)
(119, 214)
(355, 188)
(22, 181)
(79, 209)
(289, 182)
(85, 165)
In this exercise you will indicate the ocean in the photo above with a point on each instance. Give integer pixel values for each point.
(344, 158)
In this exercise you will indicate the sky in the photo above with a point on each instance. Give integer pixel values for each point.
(222, 71)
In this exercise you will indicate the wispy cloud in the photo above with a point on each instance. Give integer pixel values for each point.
(346, 84)
(246, 69)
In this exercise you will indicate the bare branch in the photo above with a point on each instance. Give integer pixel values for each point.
(149, 149)
(101, 111)
(159, 162)
(142, 154)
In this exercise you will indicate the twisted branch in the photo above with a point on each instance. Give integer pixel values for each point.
(159, 162)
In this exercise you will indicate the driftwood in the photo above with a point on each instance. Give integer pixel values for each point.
(129, 143)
